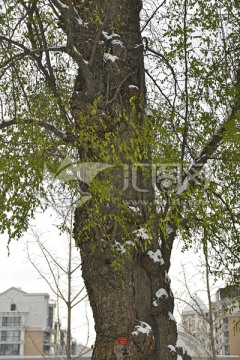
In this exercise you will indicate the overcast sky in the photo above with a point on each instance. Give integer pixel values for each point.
(17, 271)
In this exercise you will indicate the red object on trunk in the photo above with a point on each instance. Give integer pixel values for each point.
(122, 340)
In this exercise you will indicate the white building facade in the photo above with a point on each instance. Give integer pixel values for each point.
(195, 321)
(27, 324)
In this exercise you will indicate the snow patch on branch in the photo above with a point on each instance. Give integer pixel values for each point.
(81, 22)
(160, 294)
(131, 243)
(119, 247)
(78, 54)
(169, 230)
(133, 87)
(137, 45)
(135, 209)
(53, 127)
(156, 256)
(117, 42)
(109, 37)
(107, 56)
(142, 233)
(171, 348)
(167, 278)
(64, 6)
(171, 317)
(144, 328)
(7, 119)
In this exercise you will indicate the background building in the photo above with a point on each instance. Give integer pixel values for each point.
(226, 317)
(195, 323)
(28, 325)
(227, 321)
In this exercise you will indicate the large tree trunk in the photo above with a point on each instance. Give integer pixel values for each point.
(129, 292)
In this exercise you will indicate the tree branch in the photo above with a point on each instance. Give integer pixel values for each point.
(152, 16)
(185, 131)
(147, 48)
(202, 157)
(208, 150)
(118, 89)
(46, 125)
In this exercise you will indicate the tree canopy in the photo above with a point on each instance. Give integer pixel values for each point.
(192, 66)
(182, 127)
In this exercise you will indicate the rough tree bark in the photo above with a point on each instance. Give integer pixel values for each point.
(125, 249)
(134, 301)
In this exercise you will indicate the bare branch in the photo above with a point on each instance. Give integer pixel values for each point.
(48, 77)
(56, 289)
(158, 87)
(213, 143)
(97, 38)
(80, 300)
(118, 89)
(70, 14)
(46, 125)
(185, 131)
(152, 16)
(202, 157)
(158, 54)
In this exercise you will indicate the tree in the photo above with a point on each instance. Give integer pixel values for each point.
(204, 317)
(74, 92)
(210, 305)
(207, 324)
(60, 280)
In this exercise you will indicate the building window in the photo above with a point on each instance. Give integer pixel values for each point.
(10, 335)
(50, 317)
(11, 320)
(13, 307)
(46, 349)
(227, 349)
(47, 337)
(9, 349)
(226, 334)
(225, 320)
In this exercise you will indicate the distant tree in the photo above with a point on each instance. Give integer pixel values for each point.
(202, 322)
(211, 317)
(61, 278)
(159, 156)
(198, 320)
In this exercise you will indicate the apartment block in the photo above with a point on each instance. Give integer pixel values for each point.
(28, 324)
(226, 321)
(195, 322)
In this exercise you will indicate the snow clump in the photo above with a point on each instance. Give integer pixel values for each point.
(144, 328)
(156, 256)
